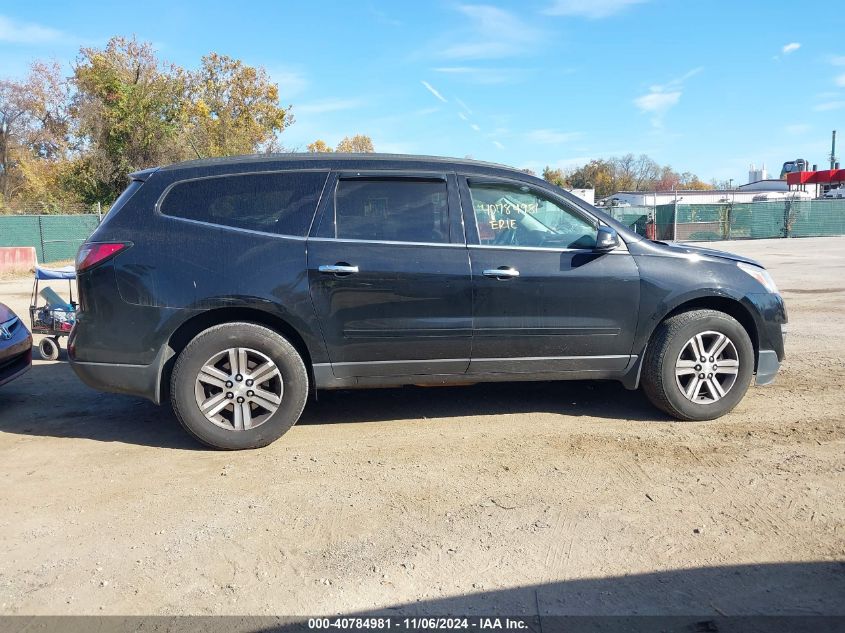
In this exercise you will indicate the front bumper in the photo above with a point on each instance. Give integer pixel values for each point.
(768, 361)
(15, 354)
(767, 367)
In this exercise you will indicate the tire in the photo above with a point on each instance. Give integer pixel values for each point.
(672, 368)
(247, 418)
(49, 349)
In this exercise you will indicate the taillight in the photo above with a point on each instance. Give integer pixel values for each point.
(93, 253)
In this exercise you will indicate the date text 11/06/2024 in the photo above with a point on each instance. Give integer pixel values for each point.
(419, 623)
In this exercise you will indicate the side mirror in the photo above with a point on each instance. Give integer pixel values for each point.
(607, 239)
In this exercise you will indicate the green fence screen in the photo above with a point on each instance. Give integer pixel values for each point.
(752, 220)
(55, 237)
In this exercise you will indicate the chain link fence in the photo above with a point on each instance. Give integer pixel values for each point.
(55, 237)
(735, 221)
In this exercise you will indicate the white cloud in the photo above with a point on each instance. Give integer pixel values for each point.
(663, 97)
(797, 129)
(498, 144)
(383, 17)
(291, 82)
(592, 9)
(790, 48)
(829, 105)
(328, 105)
(840, 80)
(658, 102)
(475, 127)
(462, 116)
(485, 76)
(492, 33)
(677, 82)
(433, 91)
(463, 105)
(27, 32)
(551, 137)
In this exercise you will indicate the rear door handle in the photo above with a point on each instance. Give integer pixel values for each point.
(339, 269)
(504, 272)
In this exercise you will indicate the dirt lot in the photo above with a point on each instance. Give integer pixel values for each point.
(552, 498)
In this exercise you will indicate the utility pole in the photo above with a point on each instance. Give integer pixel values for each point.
(833, 150)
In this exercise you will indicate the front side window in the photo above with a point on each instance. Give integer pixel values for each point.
(516, 215)
(282, 203)
(396, 210)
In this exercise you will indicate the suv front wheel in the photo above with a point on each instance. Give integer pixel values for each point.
(238, 385)
(698, 365)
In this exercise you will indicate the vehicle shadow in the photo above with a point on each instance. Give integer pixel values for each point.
(50, 400)
(800, 597)
(593, 398)
(692, 596)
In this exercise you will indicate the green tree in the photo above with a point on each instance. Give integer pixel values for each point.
(129, 113)
(232, 108)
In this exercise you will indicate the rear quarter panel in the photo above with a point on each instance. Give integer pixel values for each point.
(176, 269)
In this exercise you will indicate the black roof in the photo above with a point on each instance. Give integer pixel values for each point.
(340, 160)
(332, 158)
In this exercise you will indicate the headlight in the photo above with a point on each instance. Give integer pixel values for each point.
(761, 275)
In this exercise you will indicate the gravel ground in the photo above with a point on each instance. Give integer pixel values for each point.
(521, 498)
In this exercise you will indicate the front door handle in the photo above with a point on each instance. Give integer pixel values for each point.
(340, 268)
(503, 272)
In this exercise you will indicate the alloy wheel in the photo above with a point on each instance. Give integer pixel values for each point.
(239, 389)
(706, 368)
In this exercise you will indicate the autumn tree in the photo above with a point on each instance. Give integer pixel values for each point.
(597, 174)
(232, 108)
(360, 143)
(623, 173)
(691, 181)
(13, 123)
(34, 134)
(128, 108)
(556, 177)
(319, 147)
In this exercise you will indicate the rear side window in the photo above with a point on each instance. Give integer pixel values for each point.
(396, 210)
(282, 203)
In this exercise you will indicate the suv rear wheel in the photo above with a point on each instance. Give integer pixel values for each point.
(238, 385)
(698, 365)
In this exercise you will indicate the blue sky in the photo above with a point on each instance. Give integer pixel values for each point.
(707, 87)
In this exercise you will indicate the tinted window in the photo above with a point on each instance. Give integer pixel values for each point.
(514, 215)
(392, 210)
(281, 203)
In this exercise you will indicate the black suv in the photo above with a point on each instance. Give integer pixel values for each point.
(234, 286)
